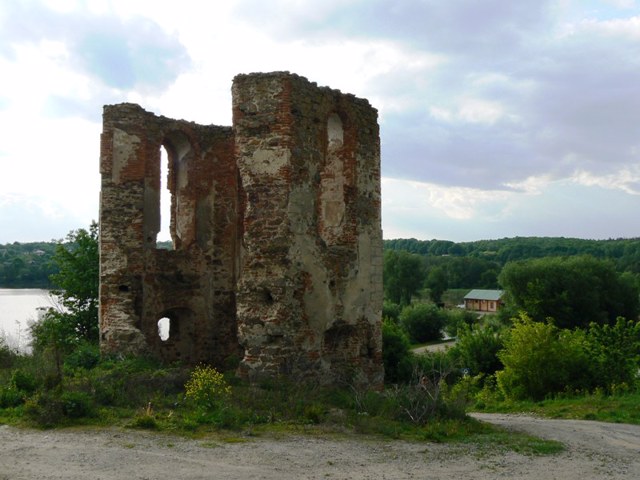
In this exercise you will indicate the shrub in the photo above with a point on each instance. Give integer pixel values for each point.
(134, 381)
(10, 397)
(423, 322)
(396, 353)
(391, 310)
(477, 349)
(614, 353)
(85, 356)
(423, 397)
(45, 409)
(540, 359)
(457, 320)
(145, 421)
(76, 404)
(23, 381)
(7, 356)
(207, 388)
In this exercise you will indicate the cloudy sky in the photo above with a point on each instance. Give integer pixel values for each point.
(499, 118)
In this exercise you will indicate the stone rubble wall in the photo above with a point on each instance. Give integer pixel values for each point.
(276, 228)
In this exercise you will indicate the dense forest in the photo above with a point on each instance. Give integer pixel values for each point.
(467, 264)
(625, 252)
(478, 264)
(27, 265)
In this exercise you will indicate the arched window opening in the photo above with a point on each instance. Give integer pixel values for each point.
(332, 183)
(164, 328)
(335, 132)
(181, 216)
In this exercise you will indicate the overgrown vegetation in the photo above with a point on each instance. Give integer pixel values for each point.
(65, 381)
(581, 366)
(568, 332)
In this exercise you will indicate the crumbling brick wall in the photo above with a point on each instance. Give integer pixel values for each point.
(276, 228)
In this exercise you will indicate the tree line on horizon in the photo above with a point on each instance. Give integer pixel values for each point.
(478, 264)
(31, 264)
(467, 264)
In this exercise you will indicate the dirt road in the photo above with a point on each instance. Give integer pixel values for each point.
(594, 451)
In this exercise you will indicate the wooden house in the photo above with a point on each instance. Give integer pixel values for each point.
(483, 300)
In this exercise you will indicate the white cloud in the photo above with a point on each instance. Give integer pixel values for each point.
(484, 109)
(453, 202)
(626, 180)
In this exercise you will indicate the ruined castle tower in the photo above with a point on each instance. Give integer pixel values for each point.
(275, 223)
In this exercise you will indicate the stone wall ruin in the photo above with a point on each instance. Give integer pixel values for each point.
(275, 222)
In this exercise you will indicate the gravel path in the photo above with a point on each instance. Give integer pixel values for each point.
(594, 451)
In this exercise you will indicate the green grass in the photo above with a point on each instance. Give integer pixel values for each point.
(141, 394)
(620, 408)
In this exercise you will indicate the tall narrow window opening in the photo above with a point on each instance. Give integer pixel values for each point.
(165, 198)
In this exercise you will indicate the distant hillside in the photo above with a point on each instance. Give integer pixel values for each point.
(26, 265)
(625, 253)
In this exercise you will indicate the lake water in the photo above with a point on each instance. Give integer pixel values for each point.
(19, 307)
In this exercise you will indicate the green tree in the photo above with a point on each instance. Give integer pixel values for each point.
(396, 353)
(75, 321)
(614, 353)
(477, 349)
(402, 276)
(540, 359)
(423, 322)
(77, 281)
(437, 283)
(574, 291)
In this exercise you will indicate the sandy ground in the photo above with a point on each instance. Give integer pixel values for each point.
(594, 451)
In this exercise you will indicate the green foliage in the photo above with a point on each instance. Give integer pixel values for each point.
(10, 397)
(74, 326)
(7, 356)
(54, 337)
(402, 276)
(423, 322)
(619, 407)
(391, 310)
(23, 381)
(574, 291)
(396, 353)
(540, 359)
(614, 353)
(477, 264)
(477, 349)
(77, 404)
(77, 282)
(207, 388)
(458, 319)
(26, 265)
(437, 283)
(145, 422)
(85, 355)
(44, 409)
(133, 382)
(425, 396)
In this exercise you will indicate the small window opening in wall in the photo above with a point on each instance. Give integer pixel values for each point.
(123, 288)
(164, 235)
(267, 297)
(164, 328)
(335, 133)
